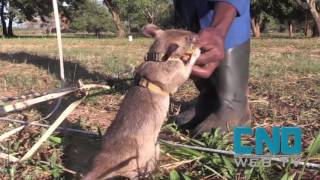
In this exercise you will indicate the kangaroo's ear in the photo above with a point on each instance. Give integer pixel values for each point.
(151, 30)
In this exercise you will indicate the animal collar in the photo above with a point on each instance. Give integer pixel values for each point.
(152, 87)
(153, 56)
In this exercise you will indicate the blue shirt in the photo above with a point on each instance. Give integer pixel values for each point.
(239, 31)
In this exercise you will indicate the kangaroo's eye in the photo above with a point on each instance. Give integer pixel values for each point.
(191, 38)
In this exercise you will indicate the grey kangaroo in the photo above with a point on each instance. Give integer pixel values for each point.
(130, 146)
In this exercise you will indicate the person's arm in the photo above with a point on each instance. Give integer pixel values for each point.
(211, 39)
(240, 5)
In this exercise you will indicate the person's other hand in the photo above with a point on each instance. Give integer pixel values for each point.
(211, 42)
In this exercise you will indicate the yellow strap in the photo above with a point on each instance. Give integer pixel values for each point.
(152, 87)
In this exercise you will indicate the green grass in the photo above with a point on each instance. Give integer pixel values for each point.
(284, 88)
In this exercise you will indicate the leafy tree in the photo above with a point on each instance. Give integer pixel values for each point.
(114, 9)
(28, 9)
(284, 11)
(22, 10)
(287, 11)
(258, 10)
(33, 8)
(135, 13)
(91, 17)
(153, 10)
(3, 17)
(314, 7)
(7, 12)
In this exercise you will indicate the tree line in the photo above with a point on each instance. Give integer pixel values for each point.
(128, 16)
(302, 13)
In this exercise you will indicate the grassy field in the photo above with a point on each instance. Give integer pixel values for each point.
(284, 90)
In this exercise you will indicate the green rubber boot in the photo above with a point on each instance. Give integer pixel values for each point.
(201, 107)
(230, 82)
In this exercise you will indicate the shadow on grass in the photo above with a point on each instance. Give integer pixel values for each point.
(72, 36)
(64, 35)
(79, 152)
(78, 149)
(73, 69)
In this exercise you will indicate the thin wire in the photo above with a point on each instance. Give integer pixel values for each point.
(229, 153)
(218, 151)
(25, 123)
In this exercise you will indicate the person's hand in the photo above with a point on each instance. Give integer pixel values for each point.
(211, 42)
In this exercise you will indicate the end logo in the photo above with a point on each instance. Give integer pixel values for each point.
(280, 145)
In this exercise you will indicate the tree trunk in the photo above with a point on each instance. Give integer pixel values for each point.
(307, 28)
(311, 5)
(315, 31)
(3, 21)
(97, 33)
(150, 16)
(115, 12)
(255, 27)
(290, 28)
(316, 17)
(10, 30)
